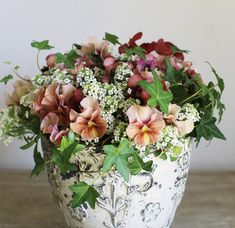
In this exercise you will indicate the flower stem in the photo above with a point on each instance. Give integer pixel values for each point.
(17, 74)
(38, 60)
(196, 95)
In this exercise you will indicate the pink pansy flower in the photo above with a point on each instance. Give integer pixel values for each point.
(89, 124)
(184, 126)
(145, 124)
(56, 136)
(109, 63)
(49, 125)
(139, 76)
(58, 99)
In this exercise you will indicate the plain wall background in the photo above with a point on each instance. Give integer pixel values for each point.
(206, 27)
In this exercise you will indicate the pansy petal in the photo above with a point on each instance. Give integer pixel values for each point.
(132, 130)
(184, 127)
(73, 115)
(49, 122)
(90, 102)
(142, 139)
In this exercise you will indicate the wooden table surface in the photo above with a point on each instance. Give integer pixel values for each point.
(209, 202)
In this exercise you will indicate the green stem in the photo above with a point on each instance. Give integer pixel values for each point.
(22, 78)
(195, 95)
(38, 60)
(189, 98)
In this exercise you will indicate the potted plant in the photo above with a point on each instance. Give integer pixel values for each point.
(116, 130)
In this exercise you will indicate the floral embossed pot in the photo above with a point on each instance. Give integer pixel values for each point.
(116, 130)
(150, 199)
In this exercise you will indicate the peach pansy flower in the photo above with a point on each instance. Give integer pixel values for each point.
(184, 126)
(89, 124)
(145, 124)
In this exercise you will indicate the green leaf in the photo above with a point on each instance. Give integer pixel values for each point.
(163, 156)
(174, 76)
(179, 93)
(173, 158)
(17, 67)
(136, 51)
(111, 38)
(137, 165)
(41, 45)
(83, 193)
(158, 95)
(61, 156)
(28, 145)
(6, 79)
(208, 129)
(39, 162)
(118, 157)
(68, 59)
(220, 81)
(7, 62)
(175, 49)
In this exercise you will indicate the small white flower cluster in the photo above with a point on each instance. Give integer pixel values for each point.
(123, 72)
(188, 112)
(110, 97)
(27, 100)
(8, 121)
(85, 76)
(99, 73)
(41, 80)
(128, 103)
(113, 98)
(62, 77)
(170, 142)
(110, 119)
(120, 132)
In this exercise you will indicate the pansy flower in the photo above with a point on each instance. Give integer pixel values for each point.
(184, 126)
(89, 123)
(145, 124)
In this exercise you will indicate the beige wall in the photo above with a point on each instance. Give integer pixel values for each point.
(206, 27)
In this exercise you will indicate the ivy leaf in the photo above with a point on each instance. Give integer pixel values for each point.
(83, 193)
(111, 38)
(118, 157)
(41, 45)
(208, 129)
(174, 76)
(220, 81)
(39, 162)
(158, 95)
(137, 165)
(175, 50)
(137, 50)
(7, 62)
(61, 156)
(6, 79)
(179, 93)
(68, 59)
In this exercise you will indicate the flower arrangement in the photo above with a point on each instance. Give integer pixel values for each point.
(147, 100)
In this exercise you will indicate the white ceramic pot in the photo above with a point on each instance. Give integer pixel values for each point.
(150, 199)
